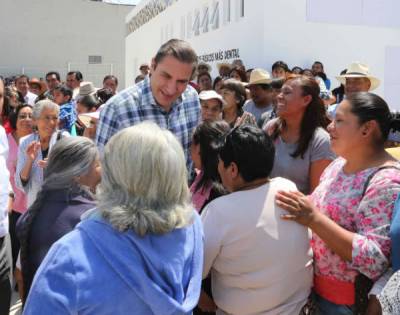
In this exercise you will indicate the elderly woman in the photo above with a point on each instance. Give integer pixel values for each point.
(73, 170)
(34, 148)
(351, 209)
(259, 264)
(144, 242)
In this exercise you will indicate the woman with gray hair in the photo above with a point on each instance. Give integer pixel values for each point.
(141, 251)
(73, 170)
(34, 148)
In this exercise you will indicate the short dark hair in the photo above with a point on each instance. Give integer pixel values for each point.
(207, 135)
(319, 63)
(178, 49)
(240, 93)
(277, 83)
(112, 77)
(65, 90)
(89, 102)
(54, 73)
(369, 106)
(21, 77)
(280, 64)
(104, 95)
(78, 75)
(13, 116)
(251, 149)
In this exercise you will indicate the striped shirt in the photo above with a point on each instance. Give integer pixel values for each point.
(137, 104)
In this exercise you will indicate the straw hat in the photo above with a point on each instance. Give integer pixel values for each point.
(86, 88)
(42, 86)
(85, 118)
(223, 64)
(259, 76)
(203, 64)
(209, 95)
(359, 70)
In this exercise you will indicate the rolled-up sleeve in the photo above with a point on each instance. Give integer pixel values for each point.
(371, 243)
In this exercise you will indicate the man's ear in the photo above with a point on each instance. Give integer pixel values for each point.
(153, 65)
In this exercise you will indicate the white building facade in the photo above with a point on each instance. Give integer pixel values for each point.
(261, 32)
(37, 36)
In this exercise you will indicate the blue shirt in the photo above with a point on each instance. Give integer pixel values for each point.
(96, 269)
(67, 116)
(137, 104)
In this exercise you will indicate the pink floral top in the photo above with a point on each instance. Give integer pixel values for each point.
(339, 196)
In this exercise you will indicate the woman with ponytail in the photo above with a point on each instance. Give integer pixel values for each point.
(301, 141)
(350, 211)
(72, 172)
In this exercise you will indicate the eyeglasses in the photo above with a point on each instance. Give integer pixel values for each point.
(25, 116)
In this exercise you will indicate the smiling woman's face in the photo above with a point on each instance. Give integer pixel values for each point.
(47, 122)
(345, 130)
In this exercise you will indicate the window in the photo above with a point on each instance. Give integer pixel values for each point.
(95, 59)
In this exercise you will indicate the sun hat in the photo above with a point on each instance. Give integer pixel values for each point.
(209, 95)
(85, 118)
(359, 70)
(86, 88)
(259, 76)
(203, 64)
(42, 86)
(223, 64)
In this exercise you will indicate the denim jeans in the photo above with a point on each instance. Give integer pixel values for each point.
(324, 307)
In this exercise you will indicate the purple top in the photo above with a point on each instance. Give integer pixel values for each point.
(60, 213)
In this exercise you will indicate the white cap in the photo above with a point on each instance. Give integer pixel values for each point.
(209, 95)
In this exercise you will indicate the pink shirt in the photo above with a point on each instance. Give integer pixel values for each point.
(200, 196)
(20, 201)
(339, 196)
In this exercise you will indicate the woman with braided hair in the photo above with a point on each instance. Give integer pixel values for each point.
(72, 172)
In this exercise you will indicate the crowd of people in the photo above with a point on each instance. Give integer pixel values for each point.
(254, 192)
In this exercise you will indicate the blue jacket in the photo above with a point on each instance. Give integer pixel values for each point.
(97, 270)
(395, 236)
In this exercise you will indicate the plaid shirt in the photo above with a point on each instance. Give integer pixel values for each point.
(137, 104)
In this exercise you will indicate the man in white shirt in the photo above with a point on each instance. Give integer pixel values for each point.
(259, 263)
(22, 85)
(5, 287)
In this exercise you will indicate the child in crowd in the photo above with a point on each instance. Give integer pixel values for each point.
(63, 97)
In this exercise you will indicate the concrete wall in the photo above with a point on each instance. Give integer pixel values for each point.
(41, 35)
(278, 30)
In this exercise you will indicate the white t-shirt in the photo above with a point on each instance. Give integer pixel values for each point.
(30, 98)
(259, 263)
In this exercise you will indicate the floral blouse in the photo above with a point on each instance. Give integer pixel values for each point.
(339, 196)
